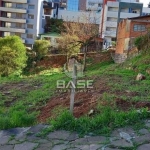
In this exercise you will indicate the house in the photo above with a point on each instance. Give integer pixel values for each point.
(53, 38)
(128, 30)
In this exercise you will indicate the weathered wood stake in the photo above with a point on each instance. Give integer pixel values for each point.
(72, 96)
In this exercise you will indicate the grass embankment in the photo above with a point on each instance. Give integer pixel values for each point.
(21, 98)
(20, 106)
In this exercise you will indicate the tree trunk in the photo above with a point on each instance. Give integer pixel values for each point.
(84, 59)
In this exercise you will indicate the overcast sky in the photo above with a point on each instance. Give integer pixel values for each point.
(145, 2)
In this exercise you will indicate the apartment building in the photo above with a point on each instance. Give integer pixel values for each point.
(22, 18)
(128, 30)
(78, 10)
(112, 13)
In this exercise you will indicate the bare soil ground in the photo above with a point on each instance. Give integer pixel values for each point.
(85, 101)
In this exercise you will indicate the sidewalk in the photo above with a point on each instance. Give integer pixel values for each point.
(27, 139)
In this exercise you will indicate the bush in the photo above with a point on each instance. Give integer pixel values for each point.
(12, 55)
(138, 42)
(41, 48)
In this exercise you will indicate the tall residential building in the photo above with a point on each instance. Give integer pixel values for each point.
(22, 18)
(113, 12)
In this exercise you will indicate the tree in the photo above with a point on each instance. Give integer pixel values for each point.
(53, 25)
(12, 55)
(87, 32)
(41, 48)
(68, 45)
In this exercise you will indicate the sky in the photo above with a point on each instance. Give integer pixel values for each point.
(145, 2)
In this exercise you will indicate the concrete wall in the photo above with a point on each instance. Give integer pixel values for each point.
(122, 34)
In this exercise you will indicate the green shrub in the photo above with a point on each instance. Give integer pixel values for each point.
(41, 48)
(12, 55)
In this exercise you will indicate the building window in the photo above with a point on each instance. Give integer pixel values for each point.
(18, 15)
(18, 25)
(112, 19)
(113, 39)
(6, 33)
(30, 36)
(139, 28)
(99, 5)
(31, 7)
(30, 16)
(91, 4)
(134, 11)
(19, 5)
(72, 5)
(30, 26)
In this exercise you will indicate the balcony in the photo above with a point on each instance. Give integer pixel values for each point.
(110, 33)
(128, 15)
(11, 29)
(15, 10)
(111, 24)
(6, 19)
(16, 1)
(112, 14)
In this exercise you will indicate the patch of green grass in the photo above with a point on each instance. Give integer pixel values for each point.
(10, 79)
(102, 123)
(98, 69)
(16, 117)
(23, 110)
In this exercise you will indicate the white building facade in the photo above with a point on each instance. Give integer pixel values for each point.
(22, 18)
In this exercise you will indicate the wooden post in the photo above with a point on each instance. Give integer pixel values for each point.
(72, 96)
